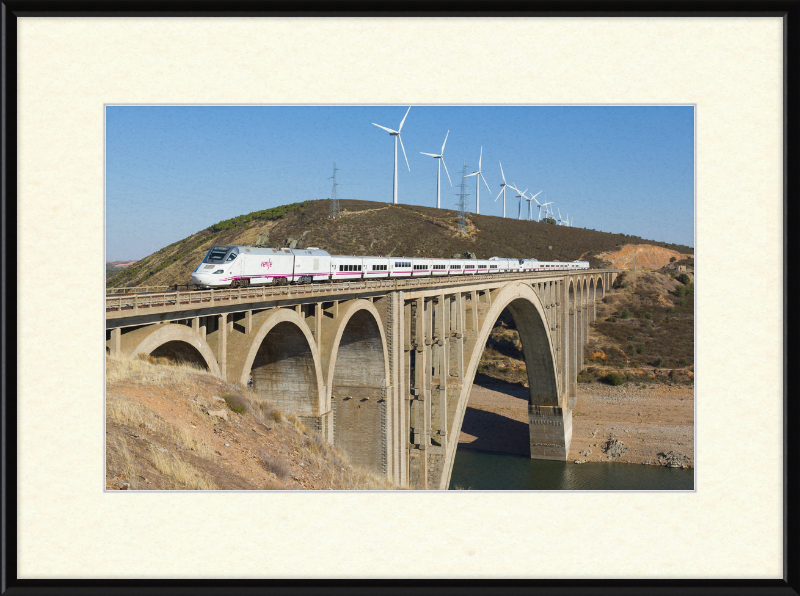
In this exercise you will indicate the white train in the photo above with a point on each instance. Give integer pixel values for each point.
(241, 266)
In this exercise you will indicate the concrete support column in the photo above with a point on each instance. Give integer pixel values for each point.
(223, 346)
(318, 322)
(461, 315)
(116, 341)
(474, 303)
(248, 322)
(401, 387)
(550, 432)
(444, 367)
(423, 409)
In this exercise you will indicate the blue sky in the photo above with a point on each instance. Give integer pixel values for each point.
(174, 170)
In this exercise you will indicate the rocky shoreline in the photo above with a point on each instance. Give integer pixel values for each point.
(642, 424)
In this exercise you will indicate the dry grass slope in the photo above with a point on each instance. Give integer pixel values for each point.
(175, 427)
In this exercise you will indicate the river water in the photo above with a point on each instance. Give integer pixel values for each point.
(481, 470)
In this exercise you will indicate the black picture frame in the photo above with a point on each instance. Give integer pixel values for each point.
(789, 10)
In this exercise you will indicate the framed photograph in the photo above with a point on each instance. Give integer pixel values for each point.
(734, 67)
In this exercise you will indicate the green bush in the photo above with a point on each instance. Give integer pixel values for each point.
(659, 362)
(672, 259)
(624, 314)
(639, 349)
(683, 278)
(613, 378)
(671, 309)
(648, 315)
(235, 403)
(683, 362)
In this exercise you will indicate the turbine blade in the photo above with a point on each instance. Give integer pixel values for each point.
(445, 171)
(404, 119)
(445, 142)
(501, 171)
(486, 183)
(384, 128)
(404, 149)
(536, 195)
(473, 174)
(479, 159)
(431, 154)
(501, 192)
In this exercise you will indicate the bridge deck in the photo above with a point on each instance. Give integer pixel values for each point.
(125, 305)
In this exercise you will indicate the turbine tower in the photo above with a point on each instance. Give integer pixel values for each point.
(538, 203)
(560, 221)
(396, 135)
(503, 189)
(477, 175)
(440, 157)
(546, 211)
(519, 196)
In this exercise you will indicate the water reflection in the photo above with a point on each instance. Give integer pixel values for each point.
(496, 471)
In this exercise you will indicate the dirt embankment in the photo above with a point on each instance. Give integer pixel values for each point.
(652, 424)
(647, 256)
(175, 427)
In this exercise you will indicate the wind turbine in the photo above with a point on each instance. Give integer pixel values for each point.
(546, 211)
(519, 196)
(440, 157)
(478, 174)
(529, 207)
(538, 203)
(560, 221)
(396, 135)
(503, 189)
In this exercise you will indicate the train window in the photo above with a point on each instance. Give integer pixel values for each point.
(231, 257)
(359, 267)
(216, 254)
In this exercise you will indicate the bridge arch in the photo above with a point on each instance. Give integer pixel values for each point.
(600, 287)
(175, 342)
(592, 299)
(358, 366)
(528, 312)
(284, 362)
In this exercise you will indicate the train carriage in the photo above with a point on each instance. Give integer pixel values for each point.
(456, 267)
(311, 264)
(346, 268)
(439, 267)
(375, 267)
(399, 267)
(420, 267)
(469, 267)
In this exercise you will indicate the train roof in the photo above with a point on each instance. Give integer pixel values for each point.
(258, 250)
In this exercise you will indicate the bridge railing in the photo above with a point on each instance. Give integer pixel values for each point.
(147, 297)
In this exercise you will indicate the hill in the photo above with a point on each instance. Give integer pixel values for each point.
(370, 228)
(171, 426)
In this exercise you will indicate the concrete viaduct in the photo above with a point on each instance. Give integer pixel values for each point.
(381, 368)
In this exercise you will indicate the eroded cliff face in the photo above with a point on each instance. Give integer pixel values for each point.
(647, 256)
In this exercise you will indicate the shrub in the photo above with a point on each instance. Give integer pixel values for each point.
(672, 259)
(624, 314)
(613, 378)
(235, 402)
(612, 319)
(639, 349)
(683, 362)
(659, 362)
(648, 315)
(683, 278)
(671, 309)
(278, 466)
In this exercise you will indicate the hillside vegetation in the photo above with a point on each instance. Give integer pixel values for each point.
(644, 332)
(370, 228)
(173, 426)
